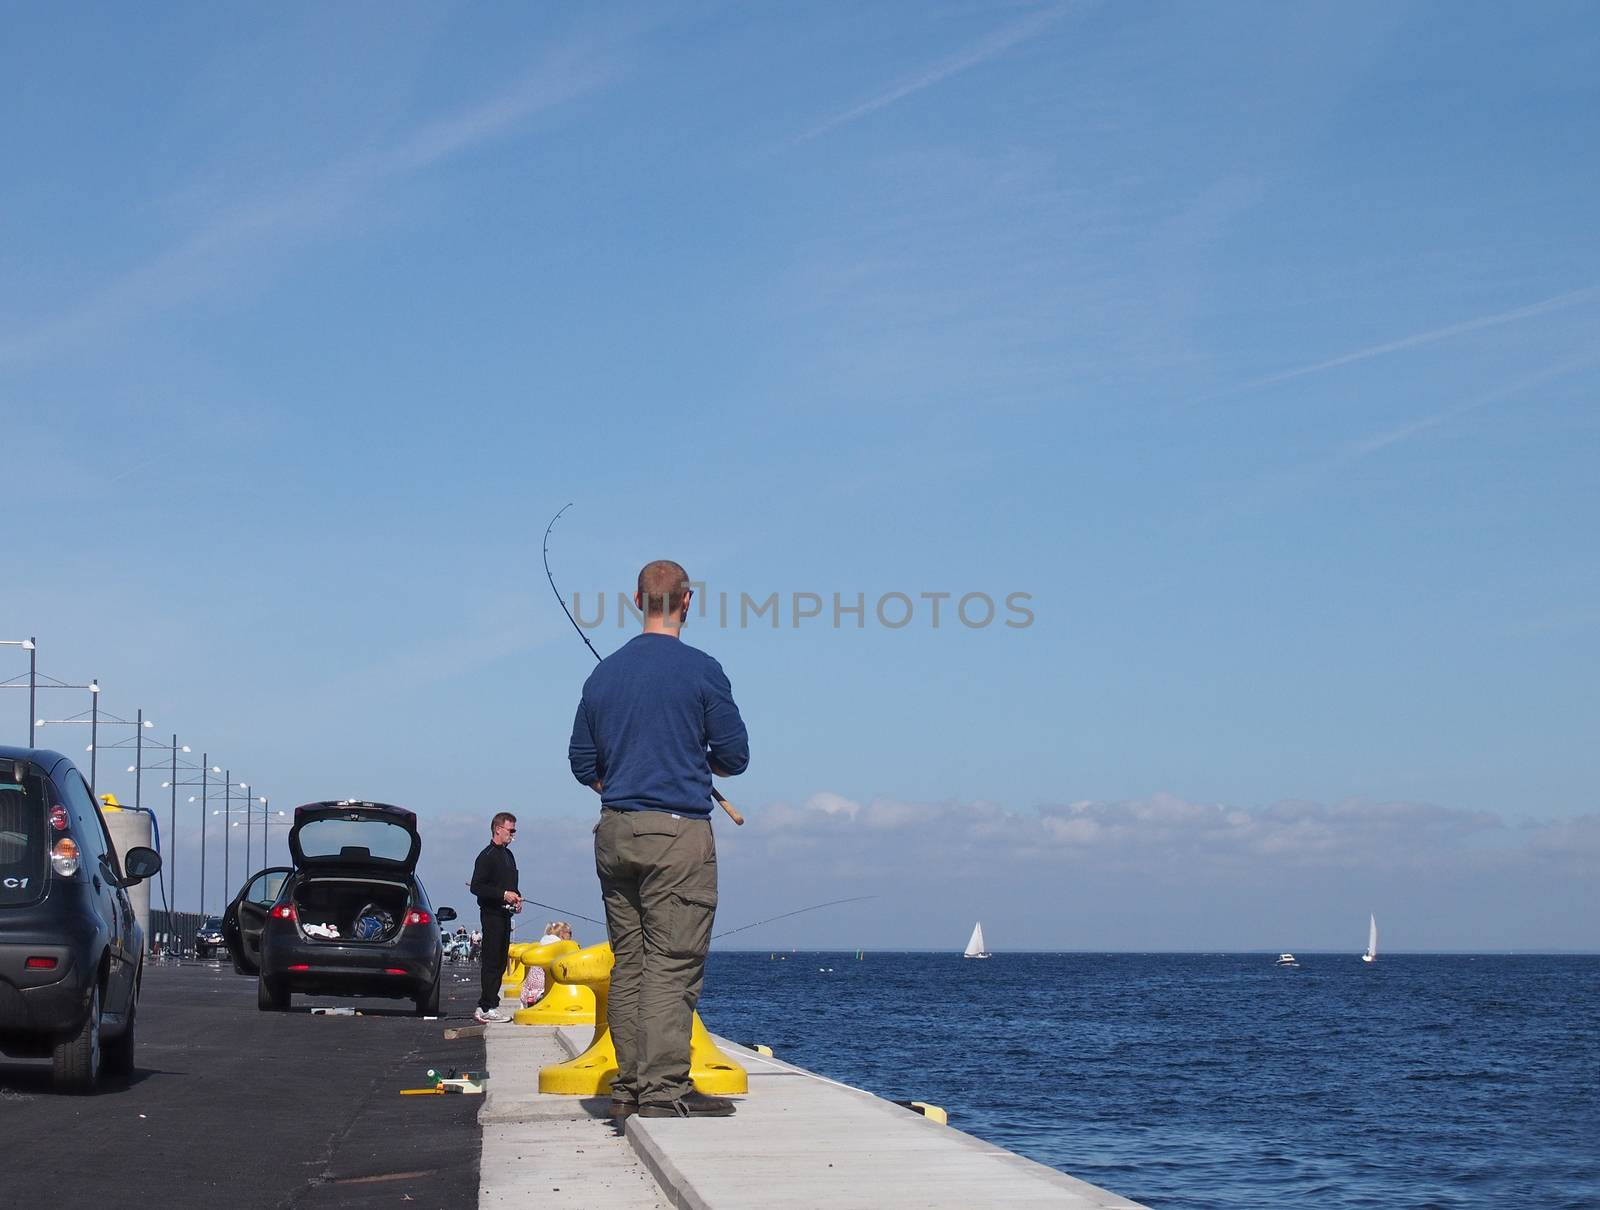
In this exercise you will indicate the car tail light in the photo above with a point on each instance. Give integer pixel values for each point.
(40, 964)
(284, 911)
(58, 818)
(299, 966)
(65, 857)
(416, 917)
(395, 970)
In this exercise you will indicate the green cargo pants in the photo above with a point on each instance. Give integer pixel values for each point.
(658, 875)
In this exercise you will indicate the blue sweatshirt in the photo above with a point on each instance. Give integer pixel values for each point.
(654, 717)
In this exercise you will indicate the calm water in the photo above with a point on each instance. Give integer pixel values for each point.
(1202, 1081)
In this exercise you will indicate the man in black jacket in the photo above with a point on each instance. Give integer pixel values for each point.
(494, 883)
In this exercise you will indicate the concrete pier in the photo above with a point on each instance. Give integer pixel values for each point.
(798, 1140)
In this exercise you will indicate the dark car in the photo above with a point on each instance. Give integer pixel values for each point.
(71, 949)
(208, 937)
(349, 918)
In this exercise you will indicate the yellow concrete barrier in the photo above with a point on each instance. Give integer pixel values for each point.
(511, 979)
(712, 1071)
(591, 1073)
(562, 1003)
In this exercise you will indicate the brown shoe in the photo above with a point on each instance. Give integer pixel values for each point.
(690, 1105)
(623, 1109)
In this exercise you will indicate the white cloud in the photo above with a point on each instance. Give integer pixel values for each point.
(1162, 872)
(1131, 834)
(1154, 872)
(833, 804)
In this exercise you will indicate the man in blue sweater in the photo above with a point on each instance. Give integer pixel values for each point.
(656, 721)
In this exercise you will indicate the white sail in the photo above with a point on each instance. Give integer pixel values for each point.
(975, 943)
(1372, 941)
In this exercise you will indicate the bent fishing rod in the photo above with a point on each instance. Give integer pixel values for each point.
(715, 793)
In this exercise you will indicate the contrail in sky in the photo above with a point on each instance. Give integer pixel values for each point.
(998, 42)
(1560, 302)
(201, 261)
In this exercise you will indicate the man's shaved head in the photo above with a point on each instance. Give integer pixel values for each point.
(662, 586)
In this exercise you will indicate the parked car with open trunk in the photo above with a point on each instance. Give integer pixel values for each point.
(349, 917)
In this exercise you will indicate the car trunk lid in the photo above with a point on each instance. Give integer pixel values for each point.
(355, 836)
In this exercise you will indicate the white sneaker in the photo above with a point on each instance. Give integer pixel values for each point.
(492, 1016)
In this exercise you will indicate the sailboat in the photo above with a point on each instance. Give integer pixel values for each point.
(1372, 941)
(975, 944)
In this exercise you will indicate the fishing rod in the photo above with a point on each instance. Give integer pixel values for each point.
(562, 912)
(715, 794)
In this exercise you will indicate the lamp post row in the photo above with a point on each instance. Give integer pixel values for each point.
(95, 717)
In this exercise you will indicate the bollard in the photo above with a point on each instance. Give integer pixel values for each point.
(511, 978)
(591, 1073)
(562, 1003)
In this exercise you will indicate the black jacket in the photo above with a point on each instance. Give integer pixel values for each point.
(493, 874)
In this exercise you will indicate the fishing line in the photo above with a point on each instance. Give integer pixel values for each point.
(566, 914)
(796, 912)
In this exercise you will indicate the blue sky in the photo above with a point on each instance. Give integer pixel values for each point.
(1257, 344)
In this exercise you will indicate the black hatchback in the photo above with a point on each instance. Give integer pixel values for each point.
(71, 949)
(349, 918)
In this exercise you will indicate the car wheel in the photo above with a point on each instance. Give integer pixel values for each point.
(77, 1059)
(428, 1002)
(271, 996)
(118, 1052)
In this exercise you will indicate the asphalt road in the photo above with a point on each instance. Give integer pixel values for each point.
(233, 1107)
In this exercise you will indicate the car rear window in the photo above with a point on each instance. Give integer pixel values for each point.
(355, 839)
(24, 828)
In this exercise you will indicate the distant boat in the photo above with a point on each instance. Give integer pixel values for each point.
(1372, 941)
(1287, 960)
(975, 944)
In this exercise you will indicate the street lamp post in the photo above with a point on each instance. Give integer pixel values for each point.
(37, 681)
(265, 802)
(245, 786)
(93, 722)
(31, 646)
(227, 818)
(169, 855)
(169, 867)
(141, 724)
(266, 823)
(94, 737)
(172, 825)
(206, 769)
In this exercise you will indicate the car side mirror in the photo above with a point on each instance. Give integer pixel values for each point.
(447, 913)
(138, 864)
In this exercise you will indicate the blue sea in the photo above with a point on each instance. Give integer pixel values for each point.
(1187, 1080)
